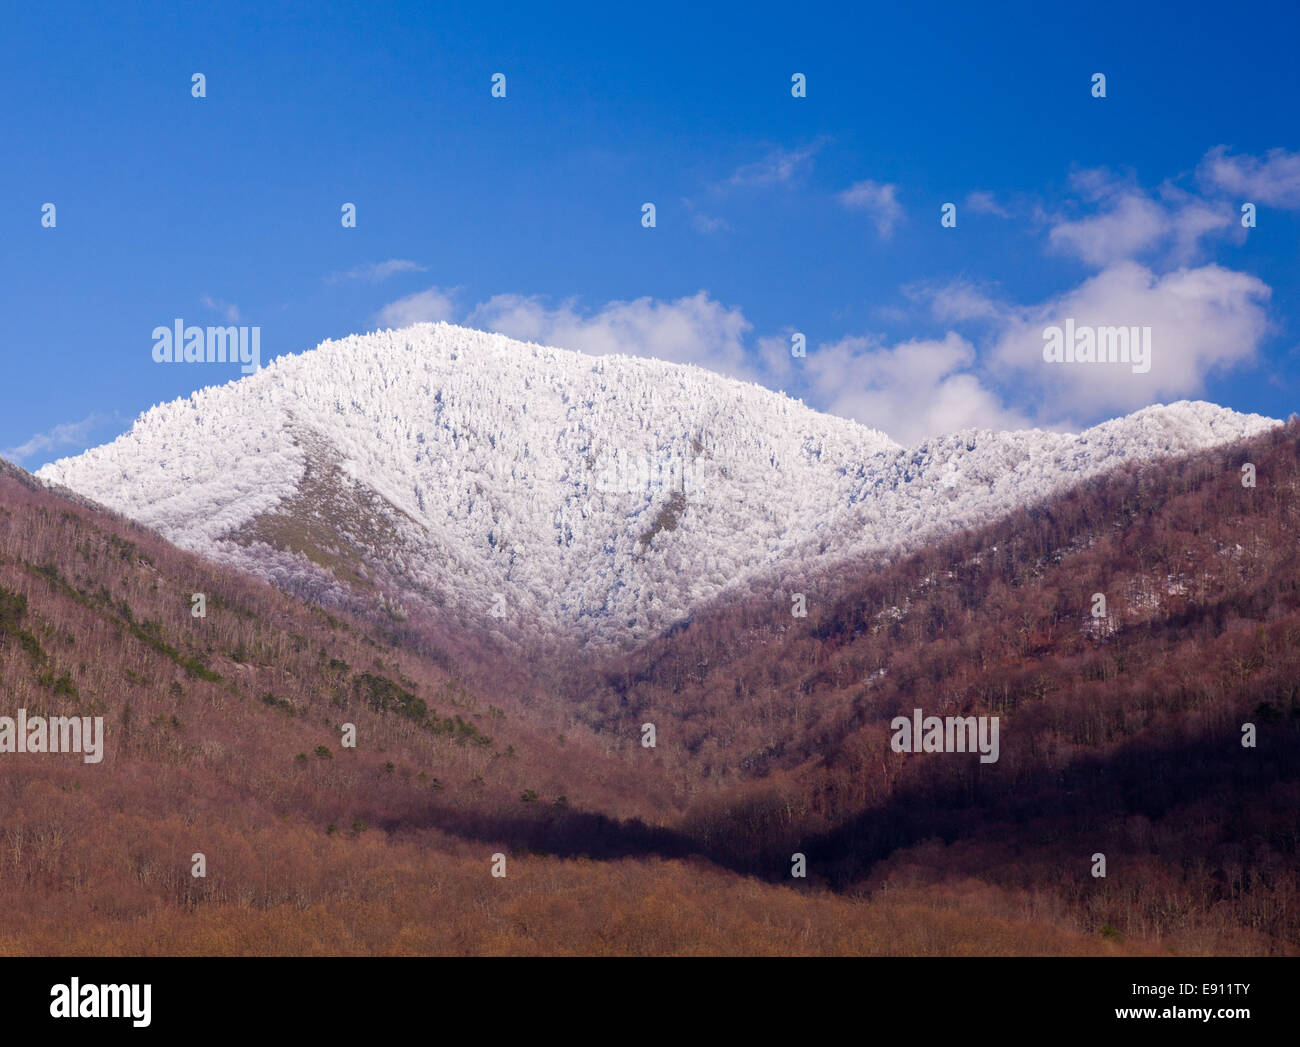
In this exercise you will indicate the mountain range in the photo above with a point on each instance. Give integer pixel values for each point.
(353, 780)
(534, 494)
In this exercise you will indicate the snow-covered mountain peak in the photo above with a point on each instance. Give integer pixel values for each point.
(546, 491)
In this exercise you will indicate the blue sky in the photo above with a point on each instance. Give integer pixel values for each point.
(774, 214)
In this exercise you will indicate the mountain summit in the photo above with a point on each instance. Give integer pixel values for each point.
(543, 492)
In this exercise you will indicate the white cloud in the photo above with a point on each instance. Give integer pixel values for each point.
(1094, 183)
(981, 201)
(779, 167)
(694, 330)
(911, 391)
(775, 362)
(430, 305)
(1194, 220)
(1273, 180)
(704, 223)
(1170, 224)
(1133, 224)
(708, 224)
(376, 272)
(1201, 320)
(227, 309)
(957, 302)
(66, 434)
(879, 201)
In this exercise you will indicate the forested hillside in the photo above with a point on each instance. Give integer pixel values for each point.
(1121, 734)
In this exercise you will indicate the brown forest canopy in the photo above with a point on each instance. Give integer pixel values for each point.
(1119, 735)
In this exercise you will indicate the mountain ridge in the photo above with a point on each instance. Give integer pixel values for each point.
(535, 492)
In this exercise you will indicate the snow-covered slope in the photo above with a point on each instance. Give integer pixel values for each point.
(540, 490)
